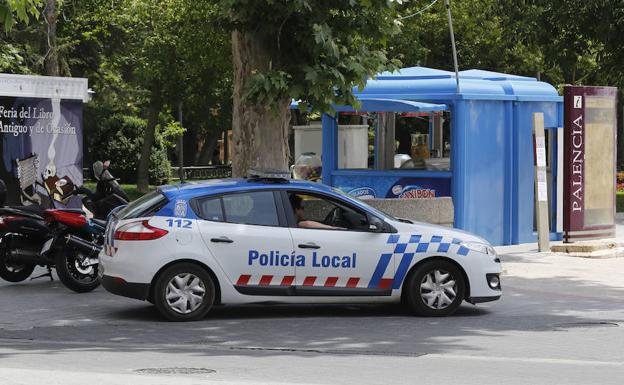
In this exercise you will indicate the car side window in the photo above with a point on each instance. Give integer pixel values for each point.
(316, 212)
(210, 209)
(251, 208)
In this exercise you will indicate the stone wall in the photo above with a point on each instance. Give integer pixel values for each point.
(431, 210)
(438, 211)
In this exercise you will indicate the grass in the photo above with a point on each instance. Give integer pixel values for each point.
(130, 189)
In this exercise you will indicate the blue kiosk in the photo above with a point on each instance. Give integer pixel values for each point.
(429, 139)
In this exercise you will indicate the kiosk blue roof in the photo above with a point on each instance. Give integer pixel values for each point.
(491, 167)
(417, 83)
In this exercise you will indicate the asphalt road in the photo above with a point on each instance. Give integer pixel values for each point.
(560, 321)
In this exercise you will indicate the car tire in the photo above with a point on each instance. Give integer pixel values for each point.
(435, 289)
(184, 292)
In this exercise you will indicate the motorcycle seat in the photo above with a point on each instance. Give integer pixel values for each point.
(77, 211)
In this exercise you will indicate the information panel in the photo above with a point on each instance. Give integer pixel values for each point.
(589, 162)
(41, 150)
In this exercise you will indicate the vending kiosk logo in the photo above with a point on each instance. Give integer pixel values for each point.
(413, 192)
(363, 193)
(420, 188)
(50, 131)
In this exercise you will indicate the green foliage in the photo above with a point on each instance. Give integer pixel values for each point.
(171, 133)
(12, 11)
(619, 202)
(319, 50)
(12, 60)
(119, 139)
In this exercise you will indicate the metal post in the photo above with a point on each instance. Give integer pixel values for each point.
(181, 145)
(541, 183)
(447, 4)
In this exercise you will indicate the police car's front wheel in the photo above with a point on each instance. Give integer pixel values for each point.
(436, 288)
(184, 292)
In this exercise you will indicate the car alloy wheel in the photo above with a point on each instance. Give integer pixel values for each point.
(438, 289)
(185, 293)
(435, 288)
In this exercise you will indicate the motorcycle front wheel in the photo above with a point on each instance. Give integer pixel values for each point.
(73, 274)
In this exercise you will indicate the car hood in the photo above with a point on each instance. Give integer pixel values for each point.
(428, 228)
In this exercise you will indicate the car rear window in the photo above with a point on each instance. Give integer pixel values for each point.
(249, 208)
(145, 206)
(253, 208)
(209, 209)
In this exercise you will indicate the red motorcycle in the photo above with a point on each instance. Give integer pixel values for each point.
(64, 239)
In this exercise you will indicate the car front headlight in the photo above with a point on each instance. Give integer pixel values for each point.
(479, 247)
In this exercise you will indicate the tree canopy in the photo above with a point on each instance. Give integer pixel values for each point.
(12, 11)
(237, 63)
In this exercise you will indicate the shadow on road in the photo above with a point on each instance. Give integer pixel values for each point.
(99, 321)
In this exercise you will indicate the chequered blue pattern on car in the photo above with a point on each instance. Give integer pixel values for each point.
(416, 243)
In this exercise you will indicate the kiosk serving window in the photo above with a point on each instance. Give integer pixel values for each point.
(416, 141)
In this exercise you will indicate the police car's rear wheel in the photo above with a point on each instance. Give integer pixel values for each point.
(437, 288)
(184, 292)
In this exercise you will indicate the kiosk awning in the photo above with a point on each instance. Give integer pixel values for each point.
(392, 105)
(387, 105)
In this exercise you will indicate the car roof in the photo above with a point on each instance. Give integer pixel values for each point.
(188, 190)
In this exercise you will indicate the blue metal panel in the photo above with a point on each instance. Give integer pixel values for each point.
(510, 160)
(484, 165)
(396, 173)
(330, 147)
(458, 163)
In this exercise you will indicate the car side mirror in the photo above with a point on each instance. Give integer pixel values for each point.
(375, 224)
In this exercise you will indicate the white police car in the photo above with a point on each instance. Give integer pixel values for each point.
(188, 247)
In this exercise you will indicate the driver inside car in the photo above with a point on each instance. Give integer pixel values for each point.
(296, 203)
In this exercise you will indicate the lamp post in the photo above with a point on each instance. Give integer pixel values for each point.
(447, 4)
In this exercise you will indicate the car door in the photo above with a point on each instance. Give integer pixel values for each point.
(246, 232)
(348, 261)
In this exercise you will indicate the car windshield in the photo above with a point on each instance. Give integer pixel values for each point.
(351, 198)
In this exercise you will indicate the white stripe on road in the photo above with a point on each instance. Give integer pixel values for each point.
(561, 361)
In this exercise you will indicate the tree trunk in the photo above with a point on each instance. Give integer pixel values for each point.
(51, 58)
(190, 145)
(210, 145)
(260, 136)
(148, 139)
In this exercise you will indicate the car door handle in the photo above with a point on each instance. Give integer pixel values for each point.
(221, 240)
(309, 245)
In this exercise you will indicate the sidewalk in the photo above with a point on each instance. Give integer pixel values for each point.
(525, 261)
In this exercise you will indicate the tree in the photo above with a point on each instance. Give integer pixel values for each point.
(51, 57)
(315, 51)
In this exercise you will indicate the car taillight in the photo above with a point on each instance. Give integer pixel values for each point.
(139, 231)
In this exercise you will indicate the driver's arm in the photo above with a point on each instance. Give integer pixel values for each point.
(317, 225)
